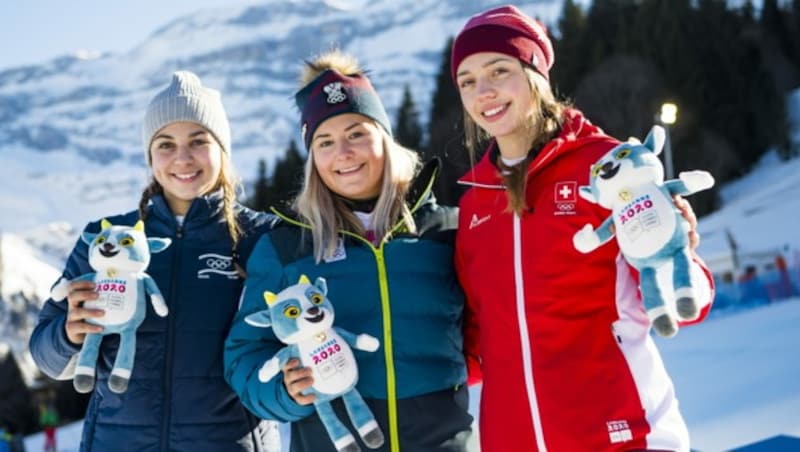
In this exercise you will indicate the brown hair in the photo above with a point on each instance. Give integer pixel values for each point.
(545, 125)
(228, 182)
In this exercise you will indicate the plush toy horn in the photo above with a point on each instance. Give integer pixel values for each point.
(270, 298)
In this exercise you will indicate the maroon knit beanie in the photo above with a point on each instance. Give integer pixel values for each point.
(331, 94)
(505, 30)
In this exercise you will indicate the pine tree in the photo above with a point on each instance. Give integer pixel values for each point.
(288, 176)
(260, 198)
(446, 134)
(711, 60)
(794, 22)
(284, 183)
(748, 12)
(775, 21)
(570, 65)
(408, 131)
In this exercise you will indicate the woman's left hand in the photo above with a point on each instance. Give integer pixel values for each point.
(688, 214)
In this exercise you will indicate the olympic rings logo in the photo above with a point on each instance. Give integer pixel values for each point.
(216, 261)
(218, 264)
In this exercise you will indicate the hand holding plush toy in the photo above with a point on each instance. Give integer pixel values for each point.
(119, 255)
(302, 317)
(629, 181)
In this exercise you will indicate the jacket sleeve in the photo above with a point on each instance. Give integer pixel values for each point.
(470, 329)
(248, 347)
(51, 349)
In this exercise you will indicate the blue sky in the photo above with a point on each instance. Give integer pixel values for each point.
(34, 31)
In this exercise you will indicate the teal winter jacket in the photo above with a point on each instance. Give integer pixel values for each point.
(402, 291)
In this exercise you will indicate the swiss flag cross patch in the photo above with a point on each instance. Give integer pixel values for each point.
(566, 192)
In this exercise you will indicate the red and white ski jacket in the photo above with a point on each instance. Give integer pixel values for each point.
(561, 337)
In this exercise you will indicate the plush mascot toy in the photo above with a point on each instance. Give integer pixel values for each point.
(302, 317)
(629, 181)
(119, 255)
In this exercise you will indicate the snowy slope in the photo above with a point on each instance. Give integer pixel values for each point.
(735, 376)
(25, 279)
(758, 211)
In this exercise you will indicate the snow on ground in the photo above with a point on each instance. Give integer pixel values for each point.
(736, 376)
(756, 213)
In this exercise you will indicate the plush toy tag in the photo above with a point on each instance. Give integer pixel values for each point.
(332, 363)
(117, 297)
(645, 223)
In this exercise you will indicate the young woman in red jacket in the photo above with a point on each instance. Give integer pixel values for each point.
(561, 338)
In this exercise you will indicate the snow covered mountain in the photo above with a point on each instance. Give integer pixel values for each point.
(26, 273)
(69, 128)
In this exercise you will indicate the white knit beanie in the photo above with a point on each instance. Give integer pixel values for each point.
(186, 99)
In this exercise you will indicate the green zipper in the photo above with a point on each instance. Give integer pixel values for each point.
(388, 354)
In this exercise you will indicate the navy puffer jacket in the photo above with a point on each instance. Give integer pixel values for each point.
(177, 399)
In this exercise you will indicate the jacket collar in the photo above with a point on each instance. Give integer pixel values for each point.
(421, 191)
(576, 131)
(203, 208)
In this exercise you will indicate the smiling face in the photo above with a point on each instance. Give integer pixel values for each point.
(349, 156)
(186, 161)
(496, 93)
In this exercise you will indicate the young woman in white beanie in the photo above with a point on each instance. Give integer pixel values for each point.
(176, 398)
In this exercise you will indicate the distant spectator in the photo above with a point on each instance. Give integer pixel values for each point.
(48, 420)
(752, 288)
(727, 278)
(16, 412)
(727, 291)
(785, 286)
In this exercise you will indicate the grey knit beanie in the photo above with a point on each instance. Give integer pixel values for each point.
(186, 99)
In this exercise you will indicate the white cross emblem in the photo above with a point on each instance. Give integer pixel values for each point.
(335, 94)
(565, 191)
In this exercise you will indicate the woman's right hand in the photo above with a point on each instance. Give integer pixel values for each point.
(297, 379)
(76, 326)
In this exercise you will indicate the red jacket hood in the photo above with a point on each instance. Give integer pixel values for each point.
(576, 132)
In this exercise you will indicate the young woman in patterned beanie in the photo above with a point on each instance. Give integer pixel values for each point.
(367, 222)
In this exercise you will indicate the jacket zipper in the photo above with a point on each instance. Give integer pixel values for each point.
(388, 351)
(524, 337)
(173, 311)
(383, 281)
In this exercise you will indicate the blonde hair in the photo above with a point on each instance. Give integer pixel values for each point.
(547, 119)
(326, 212)
(227, 181)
